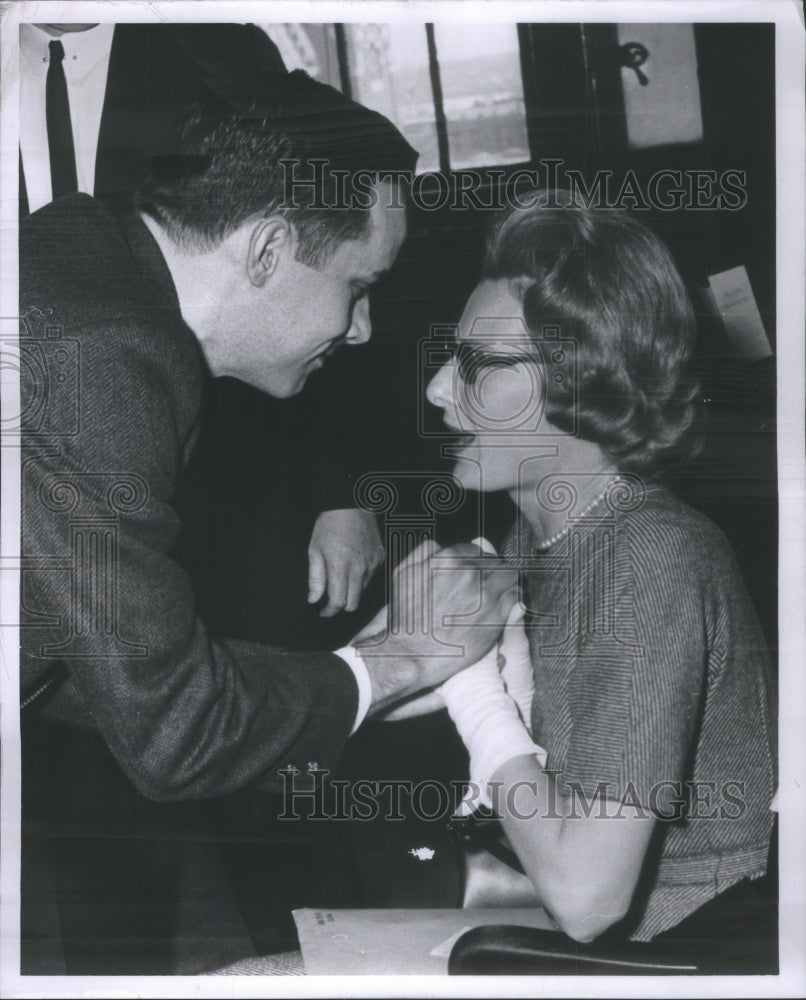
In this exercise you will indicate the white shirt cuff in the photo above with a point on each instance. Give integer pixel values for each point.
(353, 659)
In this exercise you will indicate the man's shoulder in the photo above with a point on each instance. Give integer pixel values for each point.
(102, 283)
(75, 265)
(71, 240)
(72, 214)
(79, 260)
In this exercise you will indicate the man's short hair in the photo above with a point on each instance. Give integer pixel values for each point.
(275, 143)
(611, 286)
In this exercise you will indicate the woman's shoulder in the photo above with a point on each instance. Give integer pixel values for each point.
(659, 520)
(667, 544)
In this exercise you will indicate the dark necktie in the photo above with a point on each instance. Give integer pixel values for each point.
(60, 132)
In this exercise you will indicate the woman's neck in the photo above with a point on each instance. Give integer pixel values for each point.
(569, 486)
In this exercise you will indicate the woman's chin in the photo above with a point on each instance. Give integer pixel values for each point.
(483, 477)
(470, 475)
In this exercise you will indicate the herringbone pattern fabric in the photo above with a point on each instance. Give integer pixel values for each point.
(653, 686)
(111, 399)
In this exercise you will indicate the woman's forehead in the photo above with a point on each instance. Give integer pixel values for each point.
(494, 314)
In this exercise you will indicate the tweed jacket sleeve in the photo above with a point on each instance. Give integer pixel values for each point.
(185, 715)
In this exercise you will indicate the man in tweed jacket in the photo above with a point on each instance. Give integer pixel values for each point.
(220, 273)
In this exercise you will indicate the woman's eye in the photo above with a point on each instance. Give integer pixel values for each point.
(472, 360)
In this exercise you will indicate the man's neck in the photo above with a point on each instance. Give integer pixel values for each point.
(204, 286)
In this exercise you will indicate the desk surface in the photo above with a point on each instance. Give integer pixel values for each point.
(394, 942)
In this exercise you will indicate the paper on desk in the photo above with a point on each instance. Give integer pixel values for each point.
(443, 949)
(393, 942)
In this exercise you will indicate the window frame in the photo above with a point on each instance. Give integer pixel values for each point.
(440, 118)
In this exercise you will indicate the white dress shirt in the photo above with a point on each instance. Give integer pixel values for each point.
(353, 659)
(86, 66)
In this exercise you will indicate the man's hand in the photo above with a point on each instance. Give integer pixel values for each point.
(446, 611)
(513, 659)
(344, 552)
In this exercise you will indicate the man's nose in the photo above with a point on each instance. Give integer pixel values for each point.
(361, 327)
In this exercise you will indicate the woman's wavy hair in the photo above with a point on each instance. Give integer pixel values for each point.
(612, 287)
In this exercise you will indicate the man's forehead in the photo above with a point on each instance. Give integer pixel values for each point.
(389, 210)
(385, 234)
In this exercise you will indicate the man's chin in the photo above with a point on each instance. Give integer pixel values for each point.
(293, 390)
(279, 388)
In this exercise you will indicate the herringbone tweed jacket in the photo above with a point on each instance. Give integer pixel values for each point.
(111, 390)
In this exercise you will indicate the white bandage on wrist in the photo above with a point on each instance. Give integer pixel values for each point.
(493, 724)
(515, 664)
(488, 722)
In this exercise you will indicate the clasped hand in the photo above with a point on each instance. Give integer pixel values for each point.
(448, 607)
(507, 667)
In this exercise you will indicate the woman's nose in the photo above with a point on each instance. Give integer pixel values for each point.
(361, 327)
(438, 392)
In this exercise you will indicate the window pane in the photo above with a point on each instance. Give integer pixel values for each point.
(389, 73)
(311, 47)
(482, 91)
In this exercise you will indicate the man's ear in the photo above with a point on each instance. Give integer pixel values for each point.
(269, 239)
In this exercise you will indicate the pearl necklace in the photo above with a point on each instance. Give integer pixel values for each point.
(549, 542)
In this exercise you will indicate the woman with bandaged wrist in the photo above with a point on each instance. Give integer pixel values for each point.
(624, 729)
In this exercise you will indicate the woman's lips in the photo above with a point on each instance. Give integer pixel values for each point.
(459, 438)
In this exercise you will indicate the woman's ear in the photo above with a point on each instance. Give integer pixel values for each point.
(269, 239)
